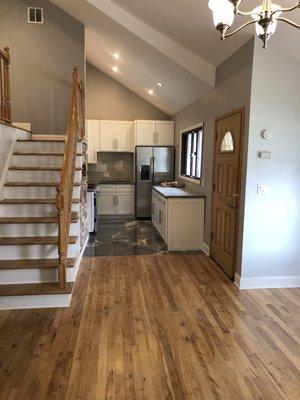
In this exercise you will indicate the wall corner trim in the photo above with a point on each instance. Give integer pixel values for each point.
(206, 248)
(267, 282)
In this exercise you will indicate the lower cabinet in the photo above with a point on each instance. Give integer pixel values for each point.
(115, 200)
(159, 215)
(179, 221)
(106, 204)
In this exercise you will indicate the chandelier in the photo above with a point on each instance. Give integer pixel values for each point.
(264, 17)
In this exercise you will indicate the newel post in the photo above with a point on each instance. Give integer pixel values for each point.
(7, 85)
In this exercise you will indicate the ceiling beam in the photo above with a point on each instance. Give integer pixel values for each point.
(183, 57)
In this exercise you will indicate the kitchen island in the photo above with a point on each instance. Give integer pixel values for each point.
(178, 216)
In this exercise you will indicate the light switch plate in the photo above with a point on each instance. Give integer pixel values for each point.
(265, 154)
(262, 189)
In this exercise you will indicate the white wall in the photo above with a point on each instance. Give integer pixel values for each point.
(271, 250)
(233, 86)
(8, 136)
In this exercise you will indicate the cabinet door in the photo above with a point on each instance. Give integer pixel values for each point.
(145, 133)
(92, 140)
(162, 220)
(163, 223)
(154, 211)
(107, 135)
(106, 204)
(165, 133)
(125, 203)
(124, 136)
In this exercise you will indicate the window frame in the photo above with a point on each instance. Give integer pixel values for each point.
(200, 127)
(35, 9)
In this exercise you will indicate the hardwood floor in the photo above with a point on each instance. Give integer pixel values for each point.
(154, 327)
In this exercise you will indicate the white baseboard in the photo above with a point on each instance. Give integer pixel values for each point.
(206, 248)
(267, 282)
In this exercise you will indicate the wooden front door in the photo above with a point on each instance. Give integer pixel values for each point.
(226, 189)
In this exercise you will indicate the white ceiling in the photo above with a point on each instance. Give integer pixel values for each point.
(172, 41)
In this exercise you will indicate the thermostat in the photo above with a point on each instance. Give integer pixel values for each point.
(266, 135)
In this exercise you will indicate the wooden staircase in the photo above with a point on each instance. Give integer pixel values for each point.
(29, 226)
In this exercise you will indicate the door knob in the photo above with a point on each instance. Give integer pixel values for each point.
(231, 205)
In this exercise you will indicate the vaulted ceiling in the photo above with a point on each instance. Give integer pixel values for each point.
(171, 41)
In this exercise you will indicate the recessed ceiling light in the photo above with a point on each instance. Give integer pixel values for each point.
(150, 91)
(115, 68)
(116, 56)
(160, 84)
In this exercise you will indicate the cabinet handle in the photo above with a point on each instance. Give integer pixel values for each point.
(159, 216)
(154, 137)
(114, 200)
(117, 200)
(116, 144)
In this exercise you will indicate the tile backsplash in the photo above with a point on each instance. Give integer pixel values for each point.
(112, 167)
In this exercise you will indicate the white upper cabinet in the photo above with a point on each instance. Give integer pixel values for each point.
(124, 136)
(145, 133)
(154, 133)
(165, 133)
(107, 135)
(92, 135)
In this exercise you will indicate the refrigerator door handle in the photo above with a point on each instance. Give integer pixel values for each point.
(152, 159)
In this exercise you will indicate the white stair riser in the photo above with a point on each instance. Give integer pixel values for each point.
(34, 192)
(38, 176)
(19, 252)
(40, 301)
(40, 161)
(16, 230)
(32, 276)
(40, 146)
(44, 146)
(30, 210)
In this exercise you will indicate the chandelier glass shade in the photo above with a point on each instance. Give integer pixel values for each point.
(265, 17)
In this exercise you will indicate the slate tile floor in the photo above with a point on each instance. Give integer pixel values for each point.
(123, 237)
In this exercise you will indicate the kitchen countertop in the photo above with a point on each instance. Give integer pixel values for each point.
(173, 192)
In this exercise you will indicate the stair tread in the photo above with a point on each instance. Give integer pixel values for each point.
(33, 240)
(33, 201)
(29, 289)
(42, 263)
(39, 168)
(40, 153)
(35, 220)
(37, 184)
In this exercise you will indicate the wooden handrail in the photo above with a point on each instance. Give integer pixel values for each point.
(64, 197)
(5, 107)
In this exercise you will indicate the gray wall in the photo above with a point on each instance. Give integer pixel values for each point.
(108, 99)
(232, 91)
(42, 58)
(272, 222)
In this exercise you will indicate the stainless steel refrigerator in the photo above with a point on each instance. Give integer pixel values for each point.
(153, 165)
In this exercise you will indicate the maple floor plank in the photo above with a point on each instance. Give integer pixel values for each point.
(154, 327)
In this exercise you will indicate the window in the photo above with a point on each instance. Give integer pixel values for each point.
(35, 15)
(227, 143)
(191, 153)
